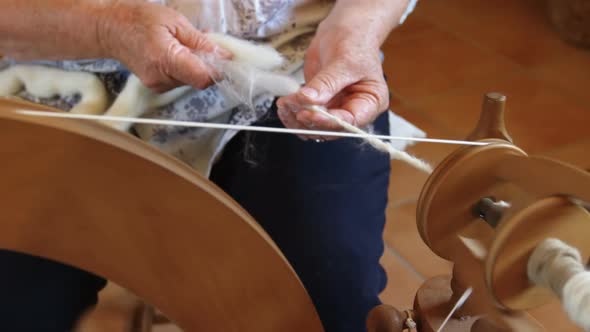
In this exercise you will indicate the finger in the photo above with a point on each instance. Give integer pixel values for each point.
(311, 65)
(300, 117)
(288, 119)
(159, 81)
(364, 111)
(320, 121)
(287, 116)
(326, 84)
(310, 117)
(292, 121)
(165, 85)
(198, 41)
(366, 105)
(358, 108)
(201, 46)
(182, 65)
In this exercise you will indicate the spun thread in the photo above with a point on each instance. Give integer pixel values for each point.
(559, 267)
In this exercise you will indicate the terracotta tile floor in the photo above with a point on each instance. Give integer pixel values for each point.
(440, 63)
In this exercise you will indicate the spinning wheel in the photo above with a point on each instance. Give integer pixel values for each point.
(90, 196)
(93, 197)
(486, 209)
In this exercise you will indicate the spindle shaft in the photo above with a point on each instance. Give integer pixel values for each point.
(491, 121)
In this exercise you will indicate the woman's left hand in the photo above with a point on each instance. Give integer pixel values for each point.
(344, 73)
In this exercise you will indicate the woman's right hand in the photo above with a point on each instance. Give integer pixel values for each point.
(157, 44)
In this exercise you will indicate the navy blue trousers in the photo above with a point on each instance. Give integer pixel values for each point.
(322, 203)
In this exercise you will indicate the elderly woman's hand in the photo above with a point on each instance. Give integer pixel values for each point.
(343, 71)
(343, 67)
(157, 44)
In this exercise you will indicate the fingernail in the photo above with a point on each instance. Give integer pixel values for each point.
(282, 111)
(309, 92)
(291, 108)
(223, 53)
(309, 124)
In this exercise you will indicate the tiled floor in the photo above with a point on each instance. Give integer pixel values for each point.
(440, 63)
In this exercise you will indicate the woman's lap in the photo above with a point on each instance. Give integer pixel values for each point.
(322, 203)
(38, 295)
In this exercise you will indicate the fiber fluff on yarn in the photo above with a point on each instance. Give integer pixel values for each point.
(559, 267)
(375, 142)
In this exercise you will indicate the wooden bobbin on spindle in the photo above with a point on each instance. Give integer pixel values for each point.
(485, 325)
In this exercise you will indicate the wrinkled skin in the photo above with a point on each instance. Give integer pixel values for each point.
(344, 73)
(343, 68)
(158, 44)
(342, 64)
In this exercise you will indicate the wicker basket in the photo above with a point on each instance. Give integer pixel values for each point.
(571, 19)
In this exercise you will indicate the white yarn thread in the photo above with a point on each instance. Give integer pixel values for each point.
(227, 126)
(559, 267)
(460, 302)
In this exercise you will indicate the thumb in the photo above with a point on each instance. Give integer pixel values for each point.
(198, 42)
(186, 64)
(325, 85)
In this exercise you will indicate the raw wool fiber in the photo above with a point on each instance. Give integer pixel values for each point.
(558, 266)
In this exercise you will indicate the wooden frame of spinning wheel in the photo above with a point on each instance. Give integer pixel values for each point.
(99, 199)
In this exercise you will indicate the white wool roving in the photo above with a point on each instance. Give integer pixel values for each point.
(243, 82)
(136, 98)
(256, 55)
(45, 82)
(559, 267)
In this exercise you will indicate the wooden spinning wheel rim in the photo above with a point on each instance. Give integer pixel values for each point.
(87, 195)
